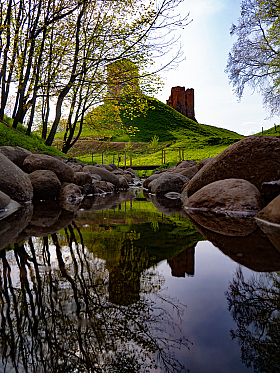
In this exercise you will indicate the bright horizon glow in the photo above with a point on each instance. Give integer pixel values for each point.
(206, 43)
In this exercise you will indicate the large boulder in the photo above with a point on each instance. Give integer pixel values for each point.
(186, 164)
(82, 178)
(14, 182)
(254, 158)
(4, 200)
(46, 162)
(189, 172)
(46, 184)
(105, 174)
(70, 197)
(225, 207)
(203, 162)
(271, 213)
(230, 195)
(123, 183)
(149, 179)
(168, 182)
(103, 187)
(15, 154)
(254, 251)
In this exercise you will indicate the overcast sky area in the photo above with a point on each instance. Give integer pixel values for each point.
(206, 44)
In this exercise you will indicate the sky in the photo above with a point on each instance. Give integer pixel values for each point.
(206, 42)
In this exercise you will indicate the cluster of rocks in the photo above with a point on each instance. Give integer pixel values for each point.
(241, 182)
(27, 177)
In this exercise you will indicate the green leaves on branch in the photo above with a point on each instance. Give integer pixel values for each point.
(254, 58)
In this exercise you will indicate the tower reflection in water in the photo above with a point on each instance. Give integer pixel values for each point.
(63, 309)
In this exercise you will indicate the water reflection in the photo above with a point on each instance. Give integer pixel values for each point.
(62, 312)
(80, 291)
(255, 307)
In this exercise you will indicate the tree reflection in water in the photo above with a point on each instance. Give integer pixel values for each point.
(255, 306)
(56, 315)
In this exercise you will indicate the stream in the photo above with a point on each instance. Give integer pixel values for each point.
(128, 284)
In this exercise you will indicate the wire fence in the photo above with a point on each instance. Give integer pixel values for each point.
(131, 157)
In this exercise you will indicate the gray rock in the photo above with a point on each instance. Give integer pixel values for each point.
(102, 187)
(4, 200)
(46, 184)
(230, 195)
(190, 172)
(149, 179)
(105, 174)
(15, 154)
(255, 159)
(271, 213)
(45, 162)
(14, 182)
(77, 167)
(131, 172)
(70, 197)
(186, 164)
(203, 162)
(167, 182)
(123, 184)
(82, 178)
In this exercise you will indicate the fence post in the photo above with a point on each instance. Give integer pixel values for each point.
(161, 156)
(164, 157)
(183, 154)
(113, 158)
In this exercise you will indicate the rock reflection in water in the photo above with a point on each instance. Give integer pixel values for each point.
(254, 306)
(58, 314)
(254, 251)
(65, 310)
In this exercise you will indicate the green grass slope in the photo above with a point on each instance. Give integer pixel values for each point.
(10, 137)
(274, 131)
(169, 125)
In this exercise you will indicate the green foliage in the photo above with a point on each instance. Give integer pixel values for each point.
(154, 141)
(254, 58)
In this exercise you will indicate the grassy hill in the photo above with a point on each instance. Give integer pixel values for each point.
(10, 137)
(172, 129)
(169, 125)
(274, 131)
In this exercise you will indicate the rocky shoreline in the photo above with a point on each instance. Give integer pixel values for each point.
(235, 194)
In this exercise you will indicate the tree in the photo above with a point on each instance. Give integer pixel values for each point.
(58, 315)
(56, 54)
(255, 307)
(255, 56)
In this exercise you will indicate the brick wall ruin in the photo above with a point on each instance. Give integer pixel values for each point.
(183, 101)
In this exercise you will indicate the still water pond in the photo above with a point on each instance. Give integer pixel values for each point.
(127, 285)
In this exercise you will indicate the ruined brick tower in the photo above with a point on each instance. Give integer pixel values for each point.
(183, 101)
